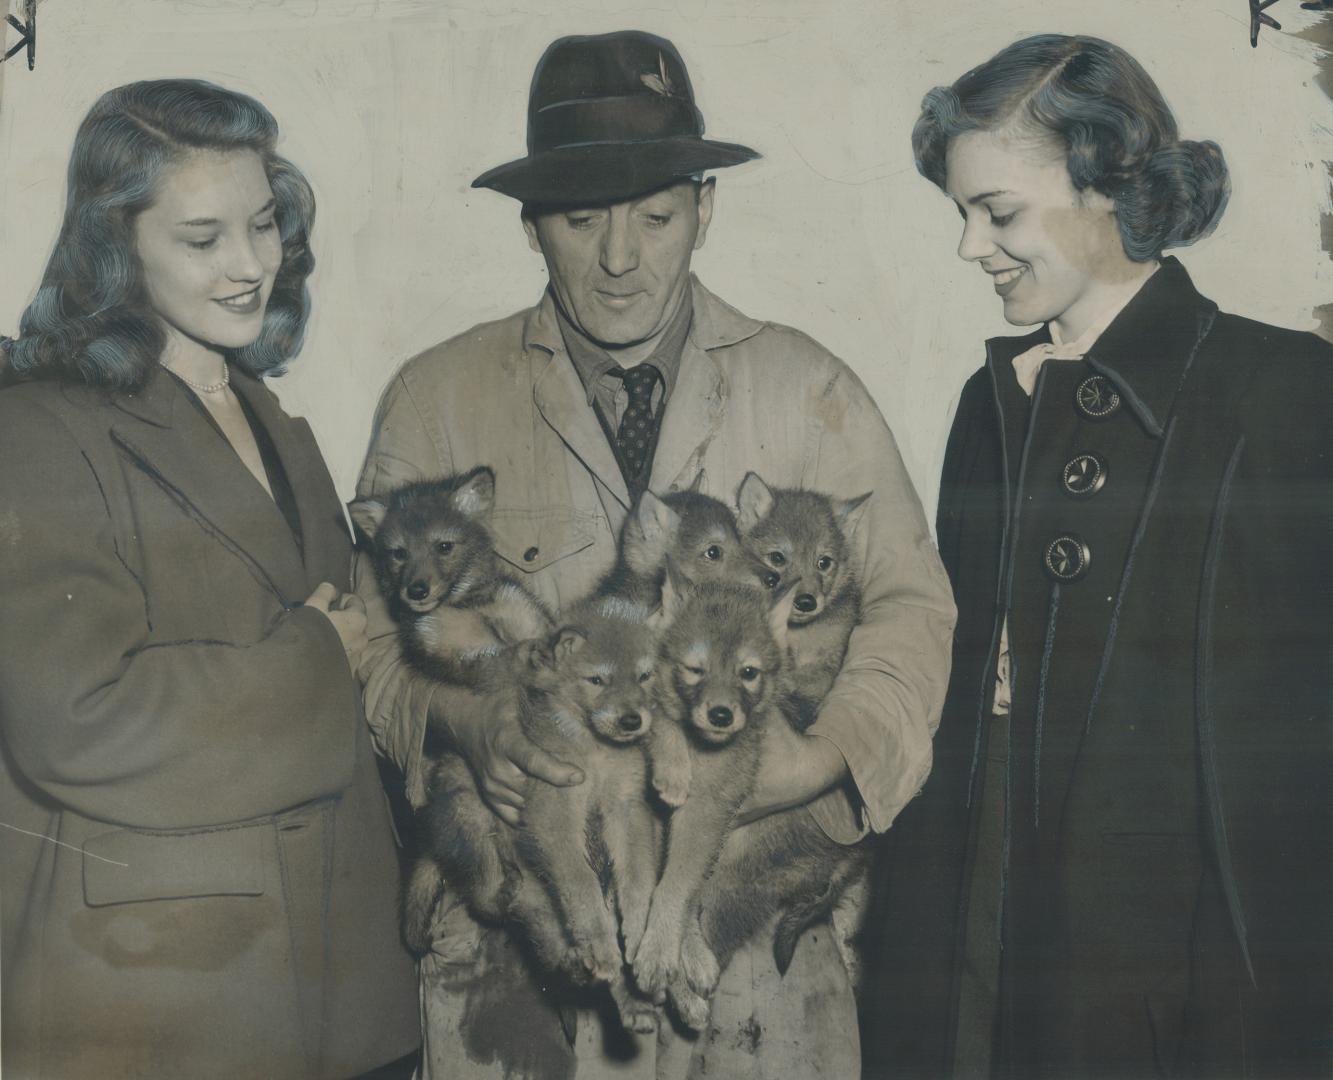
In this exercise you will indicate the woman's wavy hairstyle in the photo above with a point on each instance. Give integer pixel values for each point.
(91, 320)
(1116, 130)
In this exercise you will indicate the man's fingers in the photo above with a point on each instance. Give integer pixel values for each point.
(535, 761)
(508, 815)
(352, 602)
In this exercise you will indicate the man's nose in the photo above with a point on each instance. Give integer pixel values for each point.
(620, 247)
(976, 242)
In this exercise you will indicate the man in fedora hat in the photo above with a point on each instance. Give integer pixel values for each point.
(630, 375)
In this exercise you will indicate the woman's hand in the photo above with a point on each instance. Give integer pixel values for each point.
(487, 733)
(794, 769)
(347, 612)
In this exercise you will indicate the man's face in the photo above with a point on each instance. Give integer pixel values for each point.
(620, 271)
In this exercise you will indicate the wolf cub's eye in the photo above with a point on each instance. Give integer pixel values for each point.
(749, 674)
(693, 670)
(596, 680)
(712, 553)
(825, 563)
(777, 558)
(444, 547)
(398, 554)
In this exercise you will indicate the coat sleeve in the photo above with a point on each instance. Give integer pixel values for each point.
(128, 730)
(885, 704)
(1266, 723)
(402, 451)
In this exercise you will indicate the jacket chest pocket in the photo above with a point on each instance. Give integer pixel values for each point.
(532, 540)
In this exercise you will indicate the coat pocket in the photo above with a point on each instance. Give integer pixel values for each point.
(126, 865)
(532, 540)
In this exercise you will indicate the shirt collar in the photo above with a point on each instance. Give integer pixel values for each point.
(592, 362)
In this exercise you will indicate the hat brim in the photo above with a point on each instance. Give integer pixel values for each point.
(600, 173)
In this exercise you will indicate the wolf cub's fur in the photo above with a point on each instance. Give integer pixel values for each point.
(725, 666)
(695, 531)
(456, 607)
(801, 536)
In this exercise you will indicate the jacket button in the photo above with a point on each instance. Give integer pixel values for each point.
(530, 554)
(1084, 475)
(1096, 398)
(1067, 558)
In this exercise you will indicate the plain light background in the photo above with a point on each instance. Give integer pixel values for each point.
(391, 107)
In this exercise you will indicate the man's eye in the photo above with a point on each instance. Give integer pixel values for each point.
(658, 221)
(582, 221)
(824, 563)
(444, 547)
(713, 553)
(749, 674)
(777, 558)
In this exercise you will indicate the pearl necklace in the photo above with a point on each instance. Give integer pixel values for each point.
(202, 388)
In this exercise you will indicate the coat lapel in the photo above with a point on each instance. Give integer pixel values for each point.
(165, 436)
(693, 415)
(326, 545)
(563, 403)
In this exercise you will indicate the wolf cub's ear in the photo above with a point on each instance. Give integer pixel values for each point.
(847, 511)
(754, 499)
(368, 515)
(647, 534)
(567, 641)
(475, 494)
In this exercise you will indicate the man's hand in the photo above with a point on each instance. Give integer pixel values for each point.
(487, 733)
(793, 770)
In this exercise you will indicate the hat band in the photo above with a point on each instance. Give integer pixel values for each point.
(631, 118)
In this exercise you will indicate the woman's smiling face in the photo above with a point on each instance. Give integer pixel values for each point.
(210, 249)
(1052, 252)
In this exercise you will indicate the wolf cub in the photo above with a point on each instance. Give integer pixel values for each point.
(801, 537)
(695, 531)
(725, 668)
(456, 607)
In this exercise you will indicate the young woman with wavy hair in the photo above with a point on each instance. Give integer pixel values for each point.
(197, 873)
(1119, 865)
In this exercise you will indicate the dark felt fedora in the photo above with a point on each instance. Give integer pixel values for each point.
(609, 117)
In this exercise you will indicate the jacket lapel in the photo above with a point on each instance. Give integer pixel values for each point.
(563, 403)
(693, 415)
(326, 546)
(165, 436)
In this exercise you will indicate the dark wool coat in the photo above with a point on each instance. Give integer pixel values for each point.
(1160, 875)
(197, 871)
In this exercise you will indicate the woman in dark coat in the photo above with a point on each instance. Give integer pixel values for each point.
(1119, 866)
(197, 870)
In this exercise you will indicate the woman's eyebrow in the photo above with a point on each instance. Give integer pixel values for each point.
(985, 195)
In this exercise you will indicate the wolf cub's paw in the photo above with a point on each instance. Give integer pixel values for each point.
(698, 964)
(598, 960)
(636, 1014)
(655, 960)
(671, 781)
(633, 924)
(693, 1009)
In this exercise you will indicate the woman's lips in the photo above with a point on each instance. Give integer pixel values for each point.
(244, 304)
(1006, 280)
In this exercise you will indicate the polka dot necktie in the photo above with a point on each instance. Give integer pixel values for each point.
(635, 436)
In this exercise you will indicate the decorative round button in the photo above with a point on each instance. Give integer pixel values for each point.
(1067, 558)
(1096, 398)
(1084, 475)
(530, 554)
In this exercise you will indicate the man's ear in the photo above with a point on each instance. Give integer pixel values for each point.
(530, 227)
(705, 211)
